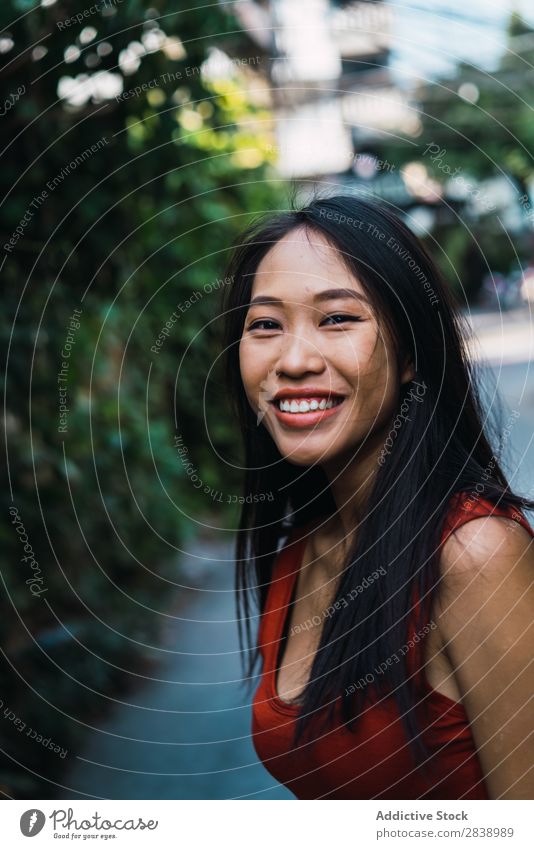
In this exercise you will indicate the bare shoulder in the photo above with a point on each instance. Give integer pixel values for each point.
(484, 616)
(486, 544)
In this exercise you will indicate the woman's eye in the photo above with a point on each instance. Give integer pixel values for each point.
(338, 318)
(256, 324)
(270, 324)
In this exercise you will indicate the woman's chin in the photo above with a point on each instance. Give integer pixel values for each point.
(307, 457)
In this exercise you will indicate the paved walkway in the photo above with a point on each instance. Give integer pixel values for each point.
(187, 735)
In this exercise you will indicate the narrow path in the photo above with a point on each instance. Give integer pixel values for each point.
(196, 735)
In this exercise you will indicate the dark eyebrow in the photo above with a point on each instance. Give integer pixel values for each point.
(326, 295)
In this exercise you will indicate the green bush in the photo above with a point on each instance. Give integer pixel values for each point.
(129, 205)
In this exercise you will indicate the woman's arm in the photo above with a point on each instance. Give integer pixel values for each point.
(485, 615)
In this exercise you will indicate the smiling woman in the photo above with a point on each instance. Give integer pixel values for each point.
(328, 335)
(358, 408)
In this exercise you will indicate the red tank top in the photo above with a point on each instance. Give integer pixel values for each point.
(373, 761)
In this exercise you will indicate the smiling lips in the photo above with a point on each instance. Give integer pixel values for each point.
(305, 410)
(304, 405)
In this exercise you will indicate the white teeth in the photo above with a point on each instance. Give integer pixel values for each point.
(303, 406)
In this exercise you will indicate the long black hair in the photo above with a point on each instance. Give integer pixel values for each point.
(442, 448)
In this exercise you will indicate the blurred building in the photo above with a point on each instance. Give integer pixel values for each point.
(344, 120)
(334, 97)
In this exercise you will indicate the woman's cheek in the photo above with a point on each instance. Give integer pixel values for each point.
(244, 361)
(372, 359)
(249, 380)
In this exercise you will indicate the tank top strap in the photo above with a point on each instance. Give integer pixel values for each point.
(466, 506)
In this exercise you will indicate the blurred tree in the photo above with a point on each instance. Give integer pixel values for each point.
(134, 148)
(485, 122)
(478, 126)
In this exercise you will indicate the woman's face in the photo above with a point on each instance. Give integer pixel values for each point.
(321, 351)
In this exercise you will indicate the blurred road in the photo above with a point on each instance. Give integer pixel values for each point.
(186, 736)
(504, 343)
(503, 338)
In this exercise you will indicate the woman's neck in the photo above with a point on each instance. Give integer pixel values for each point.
(351, 484)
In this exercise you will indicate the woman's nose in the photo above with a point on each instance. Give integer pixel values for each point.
(298, 356)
